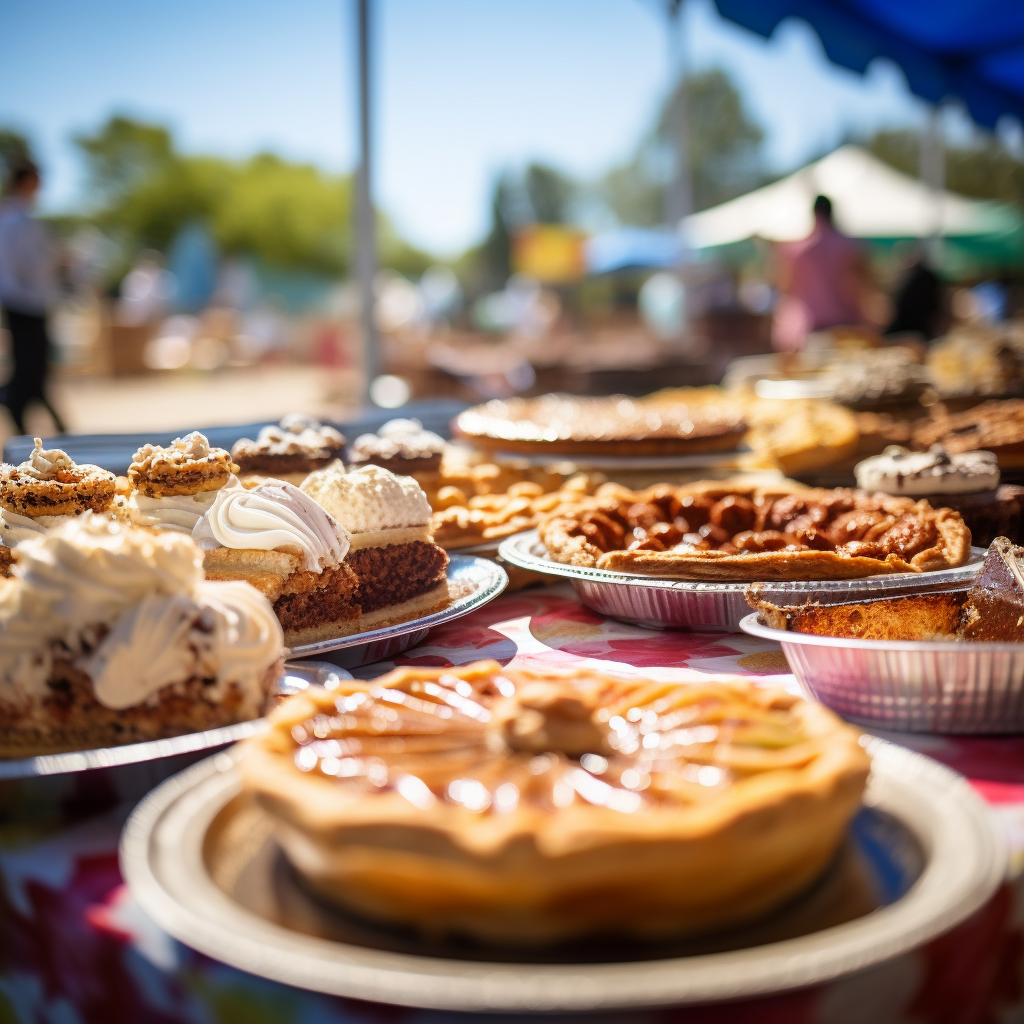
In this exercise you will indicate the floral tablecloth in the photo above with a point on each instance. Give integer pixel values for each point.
(75, 949)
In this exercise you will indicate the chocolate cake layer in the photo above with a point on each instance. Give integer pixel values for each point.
(396, 573)
(333, 599)
(401, 464)
(994, 610)
(272, 465)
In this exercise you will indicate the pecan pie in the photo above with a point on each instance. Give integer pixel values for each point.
(614, 426)
(524, 807)
(723, 531)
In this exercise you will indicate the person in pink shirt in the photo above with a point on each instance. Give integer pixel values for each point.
(823, 283)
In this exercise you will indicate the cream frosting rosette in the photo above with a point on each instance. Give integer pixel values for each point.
(274, 516)
(375, 505)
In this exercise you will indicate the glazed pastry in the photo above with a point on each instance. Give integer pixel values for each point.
(289, 450)
(173, 488)
(525, 808)
(727, 531)
(401, 571)
(109, 634)
(967, 482)
(402, 446)
(279, 540)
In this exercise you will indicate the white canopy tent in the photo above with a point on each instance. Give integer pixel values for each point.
(870, 200)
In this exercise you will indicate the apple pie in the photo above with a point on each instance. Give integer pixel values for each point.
(526, 807)
(728, 532)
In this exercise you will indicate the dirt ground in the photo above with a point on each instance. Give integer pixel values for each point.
(183, 401)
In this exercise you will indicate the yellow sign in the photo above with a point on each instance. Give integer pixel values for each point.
(552, 253)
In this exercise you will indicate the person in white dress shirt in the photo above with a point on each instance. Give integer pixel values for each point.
(28, 289)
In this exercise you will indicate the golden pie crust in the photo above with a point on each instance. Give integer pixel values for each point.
(730, 532)
(613, 426)
(525, 807)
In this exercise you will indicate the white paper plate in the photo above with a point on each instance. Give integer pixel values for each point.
(962, 860)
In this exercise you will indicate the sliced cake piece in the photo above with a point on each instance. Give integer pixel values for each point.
(402, 573)
(913, 617)
(994, 609)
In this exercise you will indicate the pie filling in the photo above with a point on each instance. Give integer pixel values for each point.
(692, 525)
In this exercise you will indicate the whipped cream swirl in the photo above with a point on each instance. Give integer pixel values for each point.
(224, 631)
(45, 464)
(275, 516)
(15, 528)
(369, 499)
(131, 609)
(180, 512)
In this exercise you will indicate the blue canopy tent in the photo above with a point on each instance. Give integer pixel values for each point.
(969, 49)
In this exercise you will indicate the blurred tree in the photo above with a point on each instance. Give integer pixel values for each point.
(724, 152)
(14, 147)
(548, 193)
(985, 170)
(290, 216)
(487, 266)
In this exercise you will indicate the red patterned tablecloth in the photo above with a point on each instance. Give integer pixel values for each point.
(75, 949)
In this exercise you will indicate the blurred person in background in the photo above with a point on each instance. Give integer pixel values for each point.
(28, 288)
(823, 282)
(919, 301)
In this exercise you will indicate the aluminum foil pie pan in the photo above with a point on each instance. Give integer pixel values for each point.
(938, 686)
(687, 604)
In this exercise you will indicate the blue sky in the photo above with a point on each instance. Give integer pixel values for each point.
(465, 87)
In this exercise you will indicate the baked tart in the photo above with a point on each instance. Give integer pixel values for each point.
(731, 532)
(613, 426)
(523, 807)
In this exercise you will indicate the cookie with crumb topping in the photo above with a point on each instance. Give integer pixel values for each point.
(51, 483)
(188, 465)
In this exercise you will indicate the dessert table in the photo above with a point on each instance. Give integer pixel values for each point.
(75, 948)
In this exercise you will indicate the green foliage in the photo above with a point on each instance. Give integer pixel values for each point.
(14, 147)
(289, 216)
(985, 170)
(723, 150)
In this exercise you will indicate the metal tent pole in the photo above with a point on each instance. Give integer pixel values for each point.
(366, 242)
(679, 190)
